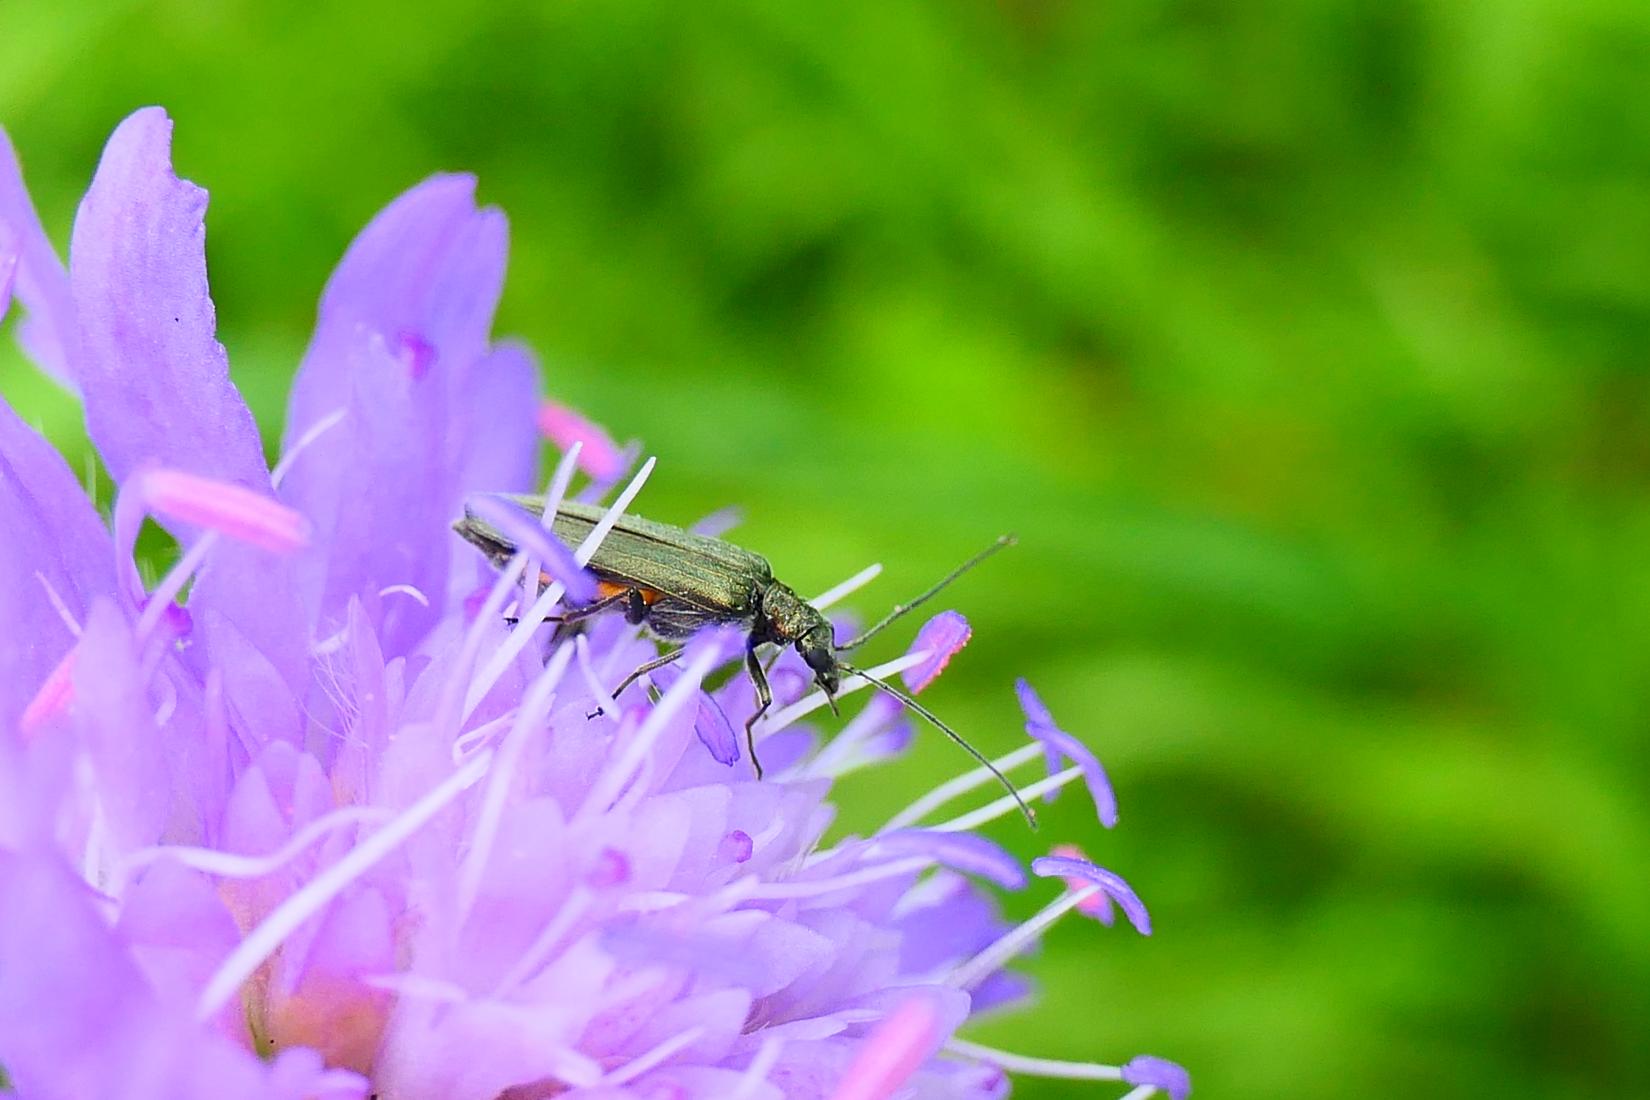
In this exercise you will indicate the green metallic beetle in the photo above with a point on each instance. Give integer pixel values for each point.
(675, 583)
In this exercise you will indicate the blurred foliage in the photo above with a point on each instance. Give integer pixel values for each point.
(1302, 342)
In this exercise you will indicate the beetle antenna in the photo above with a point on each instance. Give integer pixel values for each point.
(902, 608)
(933, 719)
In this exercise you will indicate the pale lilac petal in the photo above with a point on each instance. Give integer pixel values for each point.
(401, 338)
(48, 334)
(1058, 744)
(599, 456)
(943, 637)
(125, 751)
(8, 275)
(156, 380)
(710, 722)
(501, 439)
(525, 531)
(1160, 1073)
(1114, 886)
(53, 549)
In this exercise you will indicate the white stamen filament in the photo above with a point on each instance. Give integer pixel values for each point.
(840, 592)
(992, 958)
(604, 699)
(502, 590)
(961, 785)
(756, 1074)
(170, 585)
(236, 865)
(533, 708)
(468, 741)
(517, 639)
(1139, 1092)
(533, 959)
(658, 1055)
(58, 605)
(777, 891)
(316, 431)
(1007, 804)
(266, 937)
(1036, 1067)
(815, 699)
(405, 590)
(617, 775)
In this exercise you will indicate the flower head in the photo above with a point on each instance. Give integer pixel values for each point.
(352, 819)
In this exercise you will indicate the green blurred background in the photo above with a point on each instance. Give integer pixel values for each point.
(1302, 342)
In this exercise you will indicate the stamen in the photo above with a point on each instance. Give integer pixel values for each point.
(566, 428)
(942, 637)
(467, 742)
(532, 535)
(838, 593)
(605, 703)
(503, 587)
(618, 774)
(962, 784)
(518, 638)
(533, 708)
(1035, 1067)
(407, 590)
(58, 605)
(749, 890)
(655, 1057)
(166, 592)
(1008, 804)
(266, 938)
(718, 523)
(811, 702)
(566, 916)
(316, 431)
(762, 1063)
(1015, 940)
(221, 864)
(892, 1053)
(1119, 891)
(54, 695)
(220, 506)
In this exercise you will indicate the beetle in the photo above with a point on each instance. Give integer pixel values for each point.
(675, 583)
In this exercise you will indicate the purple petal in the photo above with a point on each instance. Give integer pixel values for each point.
(53, 548)
(710, 723)
(399, 349)
(113, 713)
(156, 379)
(1058, 744)
(943, 637)
(1114, 886)
(8, 275)
(1159, 1073)
(501, 440)
(964, 851)
(524, 530)
(48, 334)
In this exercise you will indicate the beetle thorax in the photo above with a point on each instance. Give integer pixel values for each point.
(787, 616)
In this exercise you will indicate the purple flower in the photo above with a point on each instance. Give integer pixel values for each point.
(347, 822)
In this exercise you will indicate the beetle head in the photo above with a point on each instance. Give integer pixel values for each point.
(818, 648)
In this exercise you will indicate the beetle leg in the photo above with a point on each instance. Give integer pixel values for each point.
(764, 700)
(574, 614)
(642, 670)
